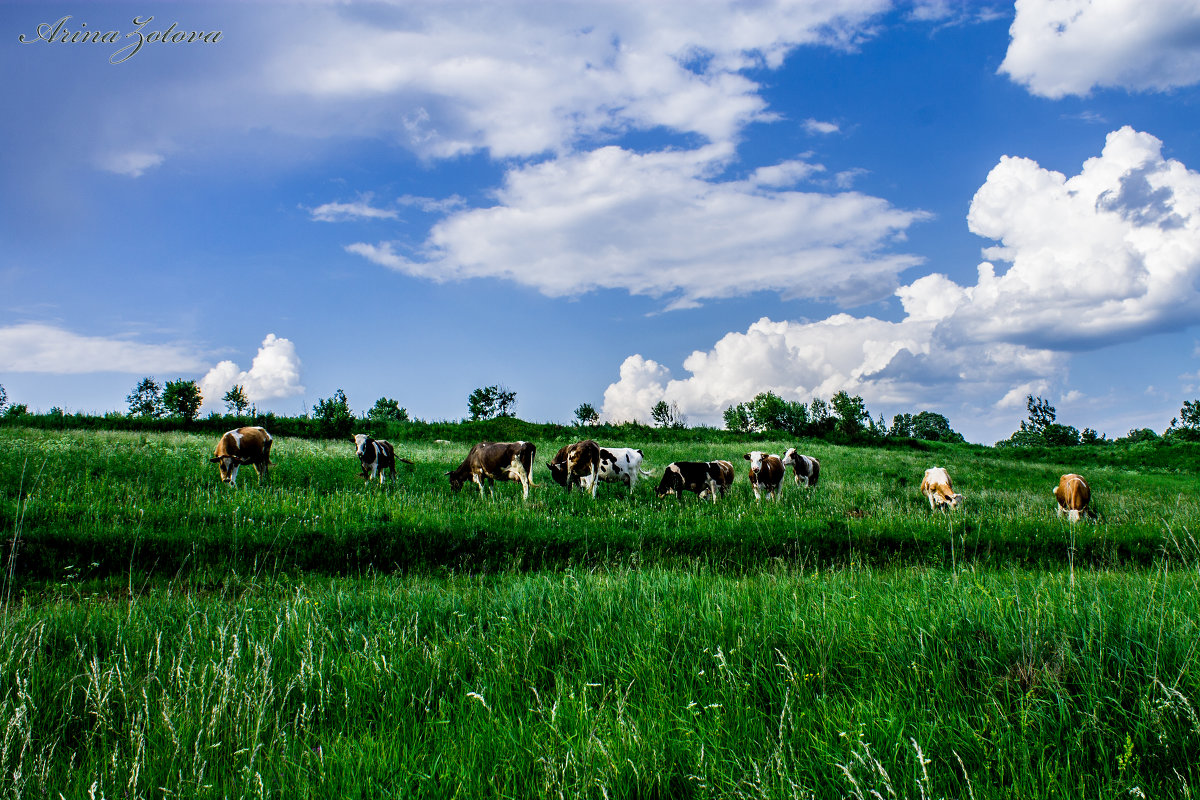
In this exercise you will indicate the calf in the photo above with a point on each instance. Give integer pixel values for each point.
(702, 477)
(621, 465)
(375, 456)
(937, 487)
(577, 463)
(806, 469)
(496, 461)
(243, 446)
(1073, 495)
(766, 474)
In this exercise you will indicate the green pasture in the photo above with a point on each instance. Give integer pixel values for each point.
(164, 635)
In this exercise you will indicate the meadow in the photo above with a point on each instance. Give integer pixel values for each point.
(165, 635)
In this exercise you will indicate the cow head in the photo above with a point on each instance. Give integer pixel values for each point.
(558, 472)
(361, 440)
(755, 457)
(228, 466)
(456, 481)
(671, 483)
(790, 456)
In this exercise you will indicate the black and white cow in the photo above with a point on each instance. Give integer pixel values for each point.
(375, 456)
(621, 465)
(806, 468)
(702, 477)
(496, 461)
(766, 474)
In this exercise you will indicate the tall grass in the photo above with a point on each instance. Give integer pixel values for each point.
(629, 683)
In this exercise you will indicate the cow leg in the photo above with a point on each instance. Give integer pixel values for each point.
(757, 496)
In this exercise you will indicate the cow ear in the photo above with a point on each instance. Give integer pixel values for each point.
(747, 456)
(213, 460)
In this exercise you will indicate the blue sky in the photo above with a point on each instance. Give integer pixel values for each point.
(936, 205)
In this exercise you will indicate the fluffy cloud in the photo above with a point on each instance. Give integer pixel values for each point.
(657, 224)
(1062, 47)
(273, 375)
(1111, 253)
(359, 209)
(38, 347)
(132, 163)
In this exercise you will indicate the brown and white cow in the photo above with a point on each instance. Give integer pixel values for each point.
(766, 474)
(937, 487)
(1073, 495)
(710, 478)
(243, 446)
(806, 469)
(577, 464)
(496, 461)
(621, 465)
(375, 456)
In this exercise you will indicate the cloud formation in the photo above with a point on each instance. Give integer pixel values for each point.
(274, 374)
(1111, 253)
(40, 347)
(659, 224)
(1065, 47)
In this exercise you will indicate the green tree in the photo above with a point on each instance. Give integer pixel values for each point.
(902, 426)
(146, 399)
(16, 410)
(585, 414)
(3, 398)
(333, 415)
(236, 400)
(387, 410)
(182, 398)
(668, 415)
(1041, 414)
(852, 415)
(491, 401)
(933, 427)
(738, 418)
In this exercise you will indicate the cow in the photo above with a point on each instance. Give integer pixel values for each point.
(1073, 495)
(243, 446)
(577, 463)
(806, 469)
(937, 487)
(621, 465)
(496, 461)
(702, 477)
(375, 456)
(766, 474)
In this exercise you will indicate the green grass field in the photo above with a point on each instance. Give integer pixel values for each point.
(167, 636)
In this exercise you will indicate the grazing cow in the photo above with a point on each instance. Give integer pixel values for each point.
(577, 463)
(621, 465)
(766, 474)
(496, 461)
(805, 468)
(243, 446)
(702, 477)
(375, 456)
(1073, 495)
(937, 487)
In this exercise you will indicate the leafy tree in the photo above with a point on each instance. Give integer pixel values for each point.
(738, 418)
(934, 427)
(387, 410)
(1060, 435)
(1090, 436)
(902, 426)
(668, 416)
(333, 414)
(1041, 414)
(182, 398)
(146, 399)
(57, 411)
(586, 414)
(16, 410)
(491, 401)
(1141, 435)
(1189, 415)
(3, 398)
(852, 415)
(236, 400)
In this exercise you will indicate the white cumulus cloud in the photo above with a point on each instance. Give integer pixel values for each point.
(131, 163)
(1062, 47)
(40, 347)
(273, 375)
(658, 224)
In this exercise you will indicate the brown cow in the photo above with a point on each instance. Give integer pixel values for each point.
(577, 463)
(1073, 495)
(766, 474)
(937, 487)
(496, 461)
(243, 446)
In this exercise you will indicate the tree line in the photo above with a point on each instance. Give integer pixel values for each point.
(844, 418)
